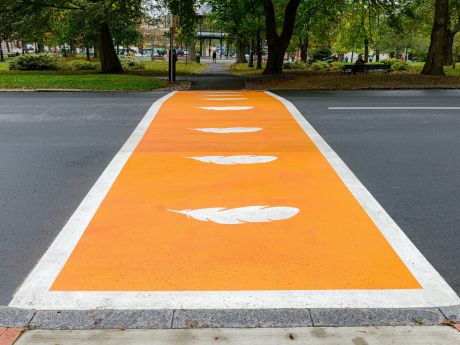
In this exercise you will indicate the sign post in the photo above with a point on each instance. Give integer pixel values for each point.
(171, 23)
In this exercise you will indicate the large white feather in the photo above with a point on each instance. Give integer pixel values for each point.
(228, 130)
(244, 159)
(241, 215)
(226, 108)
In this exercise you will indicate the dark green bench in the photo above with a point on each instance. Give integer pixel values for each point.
(366, 68)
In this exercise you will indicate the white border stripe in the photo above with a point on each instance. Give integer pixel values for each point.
(394, 108)
(34, 292)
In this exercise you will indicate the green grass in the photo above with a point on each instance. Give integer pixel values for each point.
(161, 68)
(142, 79)
(242, 69)
(76, 80)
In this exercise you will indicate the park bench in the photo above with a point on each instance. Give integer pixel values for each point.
(11, 55)
(366, 68)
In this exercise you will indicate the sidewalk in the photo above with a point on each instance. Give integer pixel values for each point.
(216, 77)
(277, 336)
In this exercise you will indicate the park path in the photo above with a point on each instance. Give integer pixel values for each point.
(217, 77)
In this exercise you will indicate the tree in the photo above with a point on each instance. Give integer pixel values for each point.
(436, 54)
(278, 43)
(103, 15)
(452, 29)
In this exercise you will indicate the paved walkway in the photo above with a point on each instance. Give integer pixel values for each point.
(217, 77)
(312, 336)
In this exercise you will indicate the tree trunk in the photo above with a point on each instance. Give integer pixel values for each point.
(277, 44)
(377, 55)
(107, 55)
(434, 64)
(366, 50)
(259, 51)
(8, 46)
(448, 51)
(240, 56)
(304, 48)
(191, 50)
(88, 57)
(40, 47)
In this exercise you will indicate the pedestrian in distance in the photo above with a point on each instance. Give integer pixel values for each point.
(214, 56)
(360, 60)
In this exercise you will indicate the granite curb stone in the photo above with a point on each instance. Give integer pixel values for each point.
(248, 318)
(14, 317)
(102, 319)
(376, 317)
(452, 313)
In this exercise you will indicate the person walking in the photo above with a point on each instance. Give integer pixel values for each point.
(214, 56)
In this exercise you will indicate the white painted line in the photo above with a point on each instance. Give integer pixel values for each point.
(226, 108)
(224, 99)
(35, 294)
(230, 160)
(241, 215)
(394, 108)
(388, 335)
(224, 130)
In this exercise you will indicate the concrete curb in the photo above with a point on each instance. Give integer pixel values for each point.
(233, 318)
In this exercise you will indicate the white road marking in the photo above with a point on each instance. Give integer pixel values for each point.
(394, 108)
(34, 292)
(229, 160)
(224, 99)
(228, 130)
(241, 215)
(226, 108)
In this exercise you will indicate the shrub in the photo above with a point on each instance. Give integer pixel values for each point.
(321, 54)
(80, 65)
(130, 62)
(319, 65)
(336, 66)
(293, 65)
(396, 64)
(31, 62)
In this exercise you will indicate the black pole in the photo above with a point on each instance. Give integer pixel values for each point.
(171, 58)
(1, 51)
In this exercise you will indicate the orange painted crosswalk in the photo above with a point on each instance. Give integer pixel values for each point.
(227, 196)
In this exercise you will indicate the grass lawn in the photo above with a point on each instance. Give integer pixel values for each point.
(142, 79)
(86, 80)
(337, 81)
(242, 69)
(160, 68)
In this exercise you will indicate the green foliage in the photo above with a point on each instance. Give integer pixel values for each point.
(336, 66)
(33, 62)
(396, 64)
(80, 65)
(319, 66)
(130, 63)
(321, 54)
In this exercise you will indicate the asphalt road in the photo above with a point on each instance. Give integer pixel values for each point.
(408, 159)
(53, 147)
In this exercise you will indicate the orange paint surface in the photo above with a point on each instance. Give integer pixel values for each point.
(134, 243)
